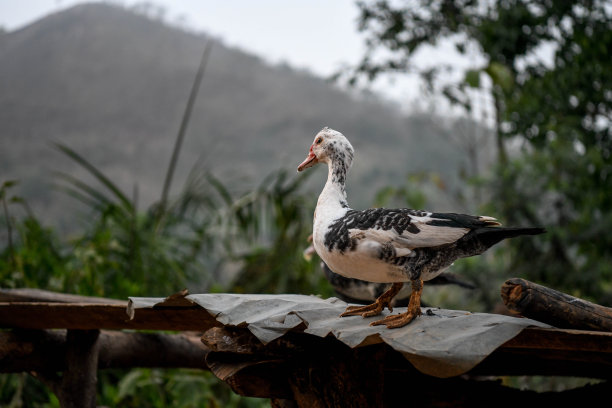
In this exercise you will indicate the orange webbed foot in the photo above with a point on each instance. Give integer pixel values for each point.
(374, 309)
(398, 320)
(414, 309)
(377, 307)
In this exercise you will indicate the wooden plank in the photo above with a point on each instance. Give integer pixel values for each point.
(561, 339)
(564, 352)
(114, 317)
(553, 307)
(87, 316)
(528, 362)
(40, 295)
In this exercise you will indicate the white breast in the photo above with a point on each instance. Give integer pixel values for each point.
(359, 265)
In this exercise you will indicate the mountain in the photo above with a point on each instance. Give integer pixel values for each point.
(113, 85)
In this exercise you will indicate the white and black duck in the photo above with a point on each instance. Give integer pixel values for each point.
(389, 245)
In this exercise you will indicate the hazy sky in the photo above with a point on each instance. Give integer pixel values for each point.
(319, 35)
(316, 34)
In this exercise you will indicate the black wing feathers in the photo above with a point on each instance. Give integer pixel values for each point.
(458, 221)
(374, 218)
(485, 229)
(491, 236)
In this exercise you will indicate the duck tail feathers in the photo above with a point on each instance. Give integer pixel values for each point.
(491, 236)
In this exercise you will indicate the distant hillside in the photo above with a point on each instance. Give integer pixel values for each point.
(113, 85)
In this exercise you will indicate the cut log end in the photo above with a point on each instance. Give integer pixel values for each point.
(512, 294)
(553, 307)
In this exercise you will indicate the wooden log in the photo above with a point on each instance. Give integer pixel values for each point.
(41, 350)
(127, 350)
(553, 307)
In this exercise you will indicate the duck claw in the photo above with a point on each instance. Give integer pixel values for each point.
(398, 320)
(374, 309)
(377, 307)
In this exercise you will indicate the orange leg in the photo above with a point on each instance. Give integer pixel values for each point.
(414, 309)
(377, 307)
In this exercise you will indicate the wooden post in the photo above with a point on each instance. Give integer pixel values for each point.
(76, 388)
(80, 379)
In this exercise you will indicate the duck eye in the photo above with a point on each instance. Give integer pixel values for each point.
(319, 140)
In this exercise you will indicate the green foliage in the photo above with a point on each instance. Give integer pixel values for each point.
(562, 114)
(558, 113)
(22, 390)
(268, 235)
(122, 252)
(500, 75)
(32, 256)
(414, 194)
(154, 388)
(472, 78)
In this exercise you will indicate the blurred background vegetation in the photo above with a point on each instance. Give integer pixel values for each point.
(541, 156)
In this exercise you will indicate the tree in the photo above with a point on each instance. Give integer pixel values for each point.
(552, 118)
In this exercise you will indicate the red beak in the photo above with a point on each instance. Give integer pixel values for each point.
(310, 161)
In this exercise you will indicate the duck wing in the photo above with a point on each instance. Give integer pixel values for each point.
(399, 231)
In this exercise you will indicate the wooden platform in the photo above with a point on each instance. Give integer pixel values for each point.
(296, 369)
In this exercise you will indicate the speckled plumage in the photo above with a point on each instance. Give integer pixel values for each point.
(389, 245)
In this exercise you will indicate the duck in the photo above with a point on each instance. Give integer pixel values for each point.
(392, 246)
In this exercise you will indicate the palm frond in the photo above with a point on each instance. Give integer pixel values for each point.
(125, 201)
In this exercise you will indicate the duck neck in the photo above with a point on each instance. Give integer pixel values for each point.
(334, 192)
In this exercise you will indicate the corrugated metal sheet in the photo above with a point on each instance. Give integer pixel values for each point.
(442, 343)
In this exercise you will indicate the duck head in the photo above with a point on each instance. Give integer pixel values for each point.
(330, 147)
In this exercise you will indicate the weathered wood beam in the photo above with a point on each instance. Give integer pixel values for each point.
(41, 350)
(88, 316)
(41, 295)
(553, 307)
(537, 351)
(561, 339)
